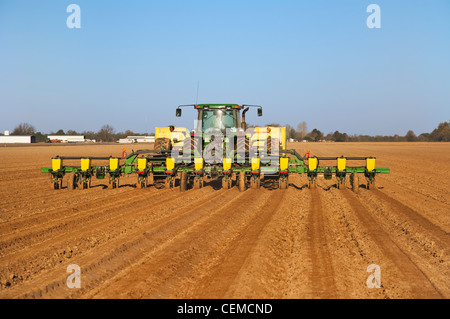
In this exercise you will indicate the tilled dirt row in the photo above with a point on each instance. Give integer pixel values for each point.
(214, 243)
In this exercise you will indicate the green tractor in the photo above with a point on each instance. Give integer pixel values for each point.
(220, 148)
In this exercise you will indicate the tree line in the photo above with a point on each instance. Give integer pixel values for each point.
(439, 134)
(107, 134)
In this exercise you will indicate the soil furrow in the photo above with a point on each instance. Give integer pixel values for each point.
(419, 283)
(322, 276)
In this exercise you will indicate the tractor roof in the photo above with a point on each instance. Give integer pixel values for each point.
(218, 106)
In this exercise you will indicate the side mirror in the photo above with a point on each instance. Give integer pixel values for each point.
(178, 113)
(259, 112)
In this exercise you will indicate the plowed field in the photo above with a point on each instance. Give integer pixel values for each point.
(216, 243)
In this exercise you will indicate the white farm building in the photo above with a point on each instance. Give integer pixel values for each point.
(67, 138)
(12, 139)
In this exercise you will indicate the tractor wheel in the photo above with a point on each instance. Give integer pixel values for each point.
(162, 144)
(242, 182)
(183, 182)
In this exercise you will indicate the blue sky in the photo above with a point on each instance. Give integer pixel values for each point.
(133, 62)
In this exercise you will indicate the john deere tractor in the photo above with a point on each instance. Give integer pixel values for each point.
(220, 147)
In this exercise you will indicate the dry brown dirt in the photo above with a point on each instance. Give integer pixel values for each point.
(214, 243)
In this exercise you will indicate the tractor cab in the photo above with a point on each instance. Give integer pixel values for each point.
(220, 116)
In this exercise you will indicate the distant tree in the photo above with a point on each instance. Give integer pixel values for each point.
(290, 131)
(316, 135)
(441, 133)
(60, 132)
(121, 135)
(339, 137)
(424, 137)
(89, 135)
(72, 132)
(302, 129)
(40, 137)
(410, 136)
(24, 129)
(106, 133)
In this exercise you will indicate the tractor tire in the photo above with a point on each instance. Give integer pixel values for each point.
(163, 144)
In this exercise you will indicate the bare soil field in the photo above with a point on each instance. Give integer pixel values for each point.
(215, 243)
